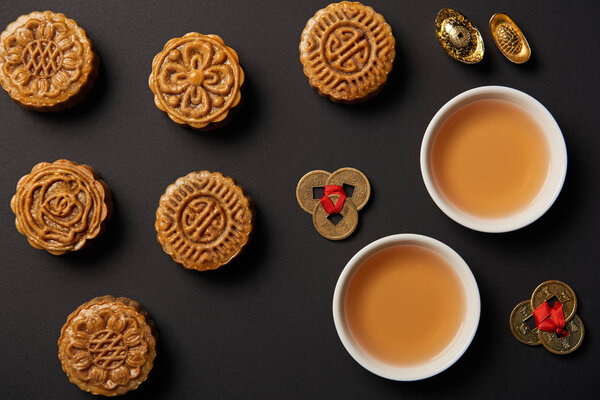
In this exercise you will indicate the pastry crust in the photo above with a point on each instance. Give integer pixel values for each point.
(60, 206)
(108, 345)
(196, 79)
(347, 51)
(204, 220)
(47, 62)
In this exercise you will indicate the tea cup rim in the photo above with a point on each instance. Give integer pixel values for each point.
(455, 349)
(549, 190)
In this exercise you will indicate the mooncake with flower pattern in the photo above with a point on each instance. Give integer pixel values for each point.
(47, 62)
(196, 79)
(108, 345)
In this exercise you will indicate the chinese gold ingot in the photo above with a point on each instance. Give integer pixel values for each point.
(458, 36)
(509, 39)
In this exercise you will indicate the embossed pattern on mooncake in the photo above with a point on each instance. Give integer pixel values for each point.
(47, 62)
(196, 80)
(347, 51)
(107, 346)
(203, 220)
(60, 206)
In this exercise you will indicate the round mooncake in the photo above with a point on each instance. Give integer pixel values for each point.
(196, 79)
(203, 220)
(60, 206)
(347, 51)
(47, 62)
(108, 345)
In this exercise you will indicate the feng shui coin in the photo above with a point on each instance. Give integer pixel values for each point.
(336, 226)
(566, 344)
(305, 189)
(563, 292)
(519, 326)
(355, 181)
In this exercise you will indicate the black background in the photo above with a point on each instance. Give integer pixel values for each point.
(261, 327)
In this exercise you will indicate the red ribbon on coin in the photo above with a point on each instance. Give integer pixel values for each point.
(328, 205)
(550, 319)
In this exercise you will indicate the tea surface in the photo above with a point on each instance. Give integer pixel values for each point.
(490, 158)
(404, 305)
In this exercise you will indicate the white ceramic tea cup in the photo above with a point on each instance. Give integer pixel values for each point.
(557, 155)
(455, 348)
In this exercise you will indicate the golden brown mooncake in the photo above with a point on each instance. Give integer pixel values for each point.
(347, 51)
(60, 206)
(47, 62)
(108, 345)
(196, 79)
(203, 220)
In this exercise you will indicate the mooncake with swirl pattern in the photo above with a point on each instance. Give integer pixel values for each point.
(61, 206)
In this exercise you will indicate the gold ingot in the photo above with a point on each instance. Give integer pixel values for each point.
(458, 36)
(567, 344)
(508, 37)
(519, 327)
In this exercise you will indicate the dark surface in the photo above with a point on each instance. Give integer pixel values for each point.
(262, 326)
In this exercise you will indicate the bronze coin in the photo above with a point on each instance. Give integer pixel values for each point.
(519, 326)
(562, 291)
(304, 190)
(567, 344)
(325, 223)
(353, 177)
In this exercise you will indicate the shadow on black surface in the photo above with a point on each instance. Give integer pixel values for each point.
(390, 92)
(248, 262)
(95, 97)
(239, 121)
(530, 66)
(160, 378)
(556, 218)
(469, 368)
(102, 246)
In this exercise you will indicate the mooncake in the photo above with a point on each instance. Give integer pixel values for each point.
(47, 62)
(203, 220)
(60, 206)
(196, 79)
(108, 345)
(347, 51)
